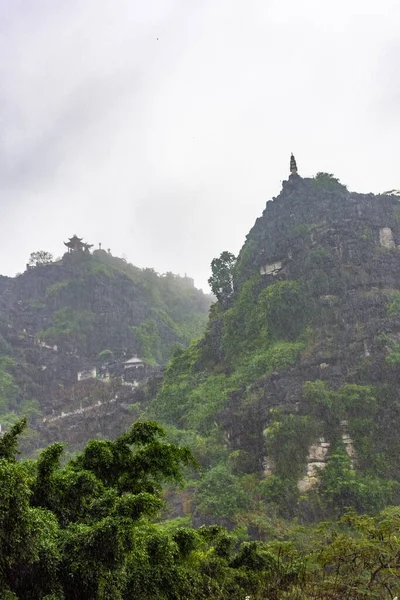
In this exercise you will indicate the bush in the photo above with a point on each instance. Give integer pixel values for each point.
(220, 493)
(329, 182)
(288, 440)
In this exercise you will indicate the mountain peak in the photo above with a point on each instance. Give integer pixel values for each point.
(300, 367)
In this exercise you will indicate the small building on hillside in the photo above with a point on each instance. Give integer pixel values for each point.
(133, 363)
(134, 370)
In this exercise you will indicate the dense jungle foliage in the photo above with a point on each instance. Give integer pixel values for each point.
(87, 529)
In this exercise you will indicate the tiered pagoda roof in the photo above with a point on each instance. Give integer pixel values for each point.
(76, 243)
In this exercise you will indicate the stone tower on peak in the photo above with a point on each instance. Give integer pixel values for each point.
(293, 165)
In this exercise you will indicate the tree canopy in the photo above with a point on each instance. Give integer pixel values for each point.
(87, 530)
(221, 280)
(41, 257)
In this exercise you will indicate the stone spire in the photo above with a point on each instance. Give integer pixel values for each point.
(293, 165)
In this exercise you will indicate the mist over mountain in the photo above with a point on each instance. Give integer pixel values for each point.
(157, 441)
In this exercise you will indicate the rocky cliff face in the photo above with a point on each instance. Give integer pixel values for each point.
(344, 249)
(299, 368)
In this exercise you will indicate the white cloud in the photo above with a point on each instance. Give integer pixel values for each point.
(161, 128)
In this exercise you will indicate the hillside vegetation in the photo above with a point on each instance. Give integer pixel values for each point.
(84, 311)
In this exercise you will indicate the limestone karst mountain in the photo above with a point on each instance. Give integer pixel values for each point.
(291, 397)
(69, 334)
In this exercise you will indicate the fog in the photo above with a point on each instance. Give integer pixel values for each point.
(161, 128)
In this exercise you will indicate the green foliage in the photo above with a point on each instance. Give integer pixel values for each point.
(220, 493)
(30, 409)
(242, 331)
(190, 400)
(85, 531)
(281, 492)
(277, 357)
(8, 388)
(288, 440)
(106, 355)
(262, 332)
(351, 402)
(89, 302)
(304, 229)
(367, 234)
(9, 440)
(342, 487)
(221, 280)
(369, 414)
(328, 181)
(206, 400)
(179, 379)
(260, 335)
(393, 306)
(253, 326)
(244, 264)
(69, 529)
(356, 558)
(283, 306)
(149, 341)
(58, 288)
(358, 400)
(393, 357)
(40, 258)
(70, 323)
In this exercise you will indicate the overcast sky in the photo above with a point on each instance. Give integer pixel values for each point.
(160, 128)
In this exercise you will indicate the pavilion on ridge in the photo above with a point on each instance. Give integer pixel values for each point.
(75, 244)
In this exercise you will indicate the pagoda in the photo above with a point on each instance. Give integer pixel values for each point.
(75, 244)
(293, 165)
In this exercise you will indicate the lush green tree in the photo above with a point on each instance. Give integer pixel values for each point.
(343, 488)
(41, 257)
(81, 520)
(8, 388)
(220, 493)
(357, 558)
(86, 530)
(328, 181)
(221, 280)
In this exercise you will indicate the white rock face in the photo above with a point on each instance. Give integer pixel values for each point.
(349, 446)
(268, 467)
(317, 456)
(87, 374)
(386, 238)
(271, 269)
(316, 460)
(318, 451)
